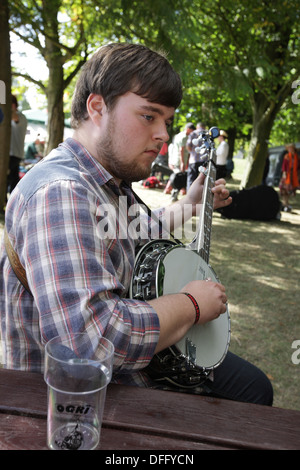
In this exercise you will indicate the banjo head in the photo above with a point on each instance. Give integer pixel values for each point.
(206, 345)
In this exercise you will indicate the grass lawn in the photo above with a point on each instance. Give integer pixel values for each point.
(259, 263)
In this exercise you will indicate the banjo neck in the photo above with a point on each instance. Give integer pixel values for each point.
(201, 242)
(203, 236)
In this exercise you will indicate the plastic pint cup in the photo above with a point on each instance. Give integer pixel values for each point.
(77, 371)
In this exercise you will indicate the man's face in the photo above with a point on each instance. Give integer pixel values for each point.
(135, 131)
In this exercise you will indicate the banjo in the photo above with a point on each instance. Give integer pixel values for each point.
(163, 267)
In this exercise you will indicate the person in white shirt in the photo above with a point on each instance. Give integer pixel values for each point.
(222, 154)
(178, 154)
(179, 157)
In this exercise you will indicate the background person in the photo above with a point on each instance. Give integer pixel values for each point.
(32, 151)
(16, 152)
(289, 182)
(222, 155)
(178, 157)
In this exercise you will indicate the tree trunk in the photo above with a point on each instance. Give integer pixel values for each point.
(5, 99)
(264, 114)
(55, 89)
(55, 127)
(232, 132)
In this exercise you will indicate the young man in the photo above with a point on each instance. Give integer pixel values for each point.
(56, 219)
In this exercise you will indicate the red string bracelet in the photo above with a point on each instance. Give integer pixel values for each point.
(197, 309)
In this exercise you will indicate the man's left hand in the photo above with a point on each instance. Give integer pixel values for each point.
(221, 194)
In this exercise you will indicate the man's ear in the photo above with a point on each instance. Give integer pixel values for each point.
(95, 106)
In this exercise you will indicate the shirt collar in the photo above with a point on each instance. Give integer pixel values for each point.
(94, 167)
(99, 173)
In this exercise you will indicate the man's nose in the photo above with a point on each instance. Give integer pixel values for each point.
(161, 133)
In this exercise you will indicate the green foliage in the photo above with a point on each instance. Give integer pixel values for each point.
(286, 126)
(229, 54)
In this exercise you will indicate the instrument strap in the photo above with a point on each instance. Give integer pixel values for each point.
(15, 262)
(153, 216)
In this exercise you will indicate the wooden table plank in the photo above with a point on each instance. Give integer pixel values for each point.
(26, 433)
(186, 421)
(209, 420)
(22, 433)
(23, 391)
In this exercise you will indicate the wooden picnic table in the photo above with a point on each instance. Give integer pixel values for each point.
(137, 418)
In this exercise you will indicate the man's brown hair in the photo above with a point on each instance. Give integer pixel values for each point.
(116, 69)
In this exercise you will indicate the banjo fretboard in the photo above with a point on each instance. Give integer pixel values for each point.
(201, 243)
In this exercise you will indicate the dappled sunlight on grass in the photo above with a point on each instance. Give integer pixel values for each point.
(259, 263)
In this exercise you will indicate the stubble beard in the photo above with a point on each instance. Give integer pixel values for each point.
(112, 160)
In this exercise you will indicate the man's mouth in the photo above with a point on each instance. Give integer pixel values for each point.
(153, 152)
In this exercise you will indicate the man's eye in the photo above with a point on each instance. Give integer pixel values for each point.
(147, 117)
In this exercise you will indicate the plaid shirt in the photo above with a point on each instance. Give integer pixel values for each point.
(78, 278)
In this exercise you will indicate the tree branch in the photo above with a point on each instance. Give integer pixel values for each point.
(70, 77)
(30, 79)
